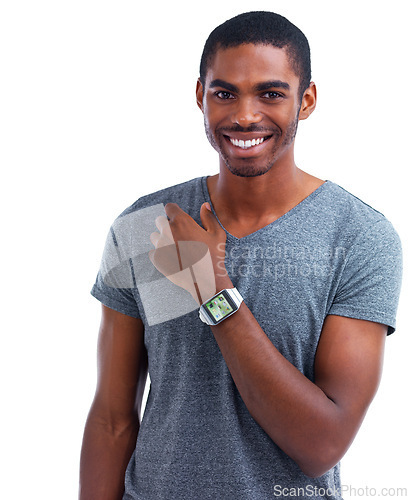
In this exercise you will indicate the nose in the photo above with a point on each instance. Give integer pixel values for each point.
(245, 113)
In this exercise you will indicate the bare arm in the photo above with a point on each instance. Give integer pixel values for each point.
(113, 422)
(313, 422)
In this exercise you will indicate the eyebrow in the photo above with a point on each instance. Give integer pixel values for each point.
(277, 84)
(225, 85)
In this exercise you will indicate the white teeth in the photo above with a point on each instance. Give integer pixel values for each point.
(246, 144)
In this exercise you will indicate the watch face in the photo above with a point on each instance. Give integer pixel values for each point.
(219, 307)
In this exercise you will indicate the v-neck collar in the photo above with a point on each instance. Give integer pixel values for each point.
(278, 221)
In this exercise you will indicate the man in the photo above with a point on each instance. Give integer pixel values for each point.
(260, 395)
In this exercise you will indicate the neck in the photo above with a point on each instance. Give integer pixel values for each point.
(266, 196)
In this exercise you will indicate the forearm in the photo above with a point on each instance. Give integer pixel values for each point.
(293, 411)
(104, 457)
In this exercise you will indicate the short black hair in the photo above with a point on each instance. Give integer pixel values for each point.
(266, 28)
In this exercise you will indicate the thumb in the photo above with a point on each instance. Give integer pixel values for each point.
(207, 217)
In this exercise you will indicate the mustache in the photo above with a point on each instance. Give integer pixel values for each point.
(253, 128)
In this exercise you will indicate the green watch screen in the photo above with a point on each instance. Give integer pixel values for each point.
(218, 307)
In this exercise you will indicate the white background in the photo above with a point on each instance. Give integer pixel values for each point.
(97, 109)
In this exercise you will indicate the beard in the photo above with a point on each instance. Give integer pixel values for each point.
(250, 167)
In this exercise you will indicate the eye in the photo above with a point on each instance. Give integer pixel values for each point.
(271, 94)
(223, 94)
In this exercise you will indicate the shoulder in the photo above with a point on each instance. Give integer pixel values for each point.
(186, 195)
(131, 229)
(350, 207)
(355, 218)
(370, 273)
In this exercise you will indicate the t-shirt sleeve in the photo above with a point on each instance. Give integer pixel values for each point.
(371, 279)
(115, 282)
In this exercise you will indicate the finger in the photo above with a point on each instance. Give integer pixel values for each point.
(160, 240)
(175, 213)
(154, 237)
(208, 219)
(173, 209)
(162, 224)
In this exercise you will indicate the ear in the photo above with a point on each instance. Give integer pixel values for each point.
(308, 102)
(199, 94)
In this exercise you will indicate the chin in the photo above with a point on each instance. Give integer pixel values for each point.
(247, 168)
(247, 171)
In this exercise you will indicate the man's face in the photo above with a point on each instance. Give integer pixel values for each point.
(251, 107)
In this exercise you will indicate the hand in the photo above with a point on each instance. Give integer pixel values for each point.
(189, 255)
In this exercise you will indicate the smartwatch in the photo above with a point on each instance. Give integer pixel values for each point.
(220, 306)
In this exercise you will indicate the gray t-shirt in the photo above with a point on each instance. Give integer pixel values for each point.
(331, 254)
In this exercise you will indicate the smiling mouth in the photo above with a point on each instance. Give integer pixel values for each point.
(250, 143)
